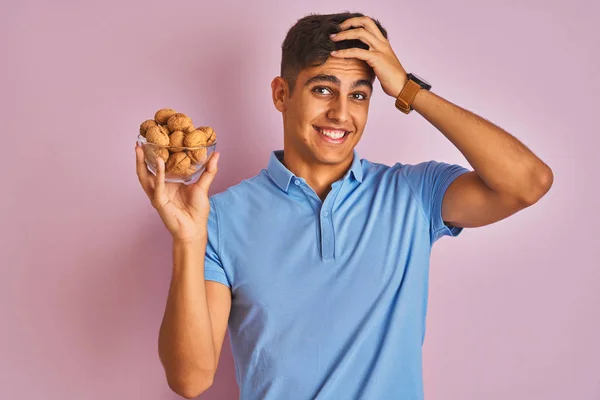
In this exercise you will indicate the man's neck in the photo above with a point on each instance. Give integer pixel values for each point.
(318, 176)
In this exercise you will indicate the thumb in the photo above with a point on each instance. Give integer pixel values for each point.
(208, 175)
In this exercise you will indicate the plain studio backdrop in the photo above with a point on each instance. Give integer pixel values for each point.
(86, 262)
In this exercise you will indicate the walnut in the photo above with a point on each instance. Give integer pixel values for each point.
(210, 135)
(179, 122)
(161, 117)
(190, 170)
(145, 125)
(196, 138)
(176, 140)
(152, 153)
(165, 129)
(155, 135)
(178, 163)
(198, 156)
(189, 129)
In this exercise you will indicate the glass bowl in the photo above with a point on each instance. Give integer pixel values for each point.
(182, 164)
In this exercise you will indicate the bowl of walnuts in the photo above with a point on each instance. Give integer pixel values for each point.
(184, 147)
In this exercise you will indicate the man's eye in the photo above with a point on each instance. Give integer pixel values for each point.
(321, 90)
(360, 96)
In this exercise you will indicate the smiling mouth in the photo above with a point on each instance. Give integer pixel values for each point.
(332, 135)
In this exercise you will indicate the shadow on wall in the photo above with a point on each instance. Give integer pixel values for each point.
(118, 313)
(226, 101)
(219, 88)
(135, 292)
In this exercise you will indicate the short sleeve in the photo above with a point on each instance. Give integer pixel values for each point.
(429, 182)
(213, 268)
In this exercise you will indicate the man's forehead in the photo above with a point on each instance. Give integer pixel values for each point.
(346, 71)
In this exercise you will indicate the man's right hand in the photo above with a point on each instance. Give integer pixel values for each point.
(183, 208)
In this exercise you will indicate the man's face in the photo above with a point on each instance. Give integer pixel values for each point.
(325, 117)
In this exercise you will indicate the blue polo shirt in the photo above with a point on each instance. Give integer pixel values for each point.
(329, 297)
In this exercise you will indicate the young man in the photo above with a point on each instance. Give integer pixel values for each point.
(319, 264)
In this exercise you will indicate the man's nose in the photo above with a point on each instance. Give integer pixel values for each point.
(338, 110)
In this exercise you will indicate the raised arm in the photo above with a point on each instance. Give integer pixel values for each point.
(196, 313)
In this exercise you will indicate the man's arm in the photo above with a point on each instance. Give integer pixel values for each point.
(194, 324)
(507, 176)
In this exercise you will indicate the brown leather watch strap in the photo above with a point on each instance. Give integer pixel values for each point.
(407, 95)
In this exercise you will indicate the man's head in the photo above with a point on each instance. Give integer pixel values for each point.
(316, 91)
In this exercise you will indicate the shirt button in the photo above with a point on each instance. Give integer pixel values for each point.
(325, 213)
(297, 182)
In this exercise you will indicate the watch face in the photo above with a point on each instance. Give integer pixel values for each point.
(420, 81)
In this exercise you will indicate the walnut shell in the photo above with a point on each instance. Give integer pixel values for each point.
(190, 170)
(178, 163)
(155, 135)
(195, 139)
(145, 125)
(176, 139)
(179, 122)
(162, 116)
(165, 129)
(189, 129)
(210, 135)
(198, 156)
(152, 153)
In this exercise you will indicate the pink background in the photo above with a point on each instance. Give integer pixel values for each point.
(86, 262)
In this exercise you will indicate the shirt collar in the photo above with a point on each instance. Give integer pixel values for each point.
(283, 176)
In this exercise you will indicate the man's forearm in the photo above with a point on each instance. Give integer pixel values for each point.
(186, 346)
(502, 161)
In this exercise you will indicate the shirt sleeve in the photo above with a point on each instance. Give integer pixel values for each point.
(429, 182)
(213, 268)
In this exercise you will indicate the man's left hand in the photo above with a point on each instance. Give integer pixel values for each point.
(380, 56)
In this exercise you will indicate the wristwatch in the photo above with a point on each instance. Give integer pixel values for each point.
(409, 91)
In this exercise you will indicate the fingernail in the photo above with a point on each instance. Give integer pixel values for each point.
(333, 35)
(333, 52)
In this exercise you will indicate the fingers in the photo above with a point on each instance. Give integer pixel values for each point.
(142, 171)
(140, 165)
(360, 34)
(363, 22)
(354, 52)
(209, 173)
(160, 195)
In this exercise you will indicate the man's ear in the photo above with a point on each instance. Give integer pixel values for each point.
(279, 88)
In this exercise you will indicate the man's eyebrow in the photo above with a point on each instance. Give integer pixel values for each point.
(323, 78)
(362, 82)
(334, 80)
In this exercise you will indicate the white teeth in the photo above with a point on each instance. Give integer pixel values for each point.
(333, 134)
